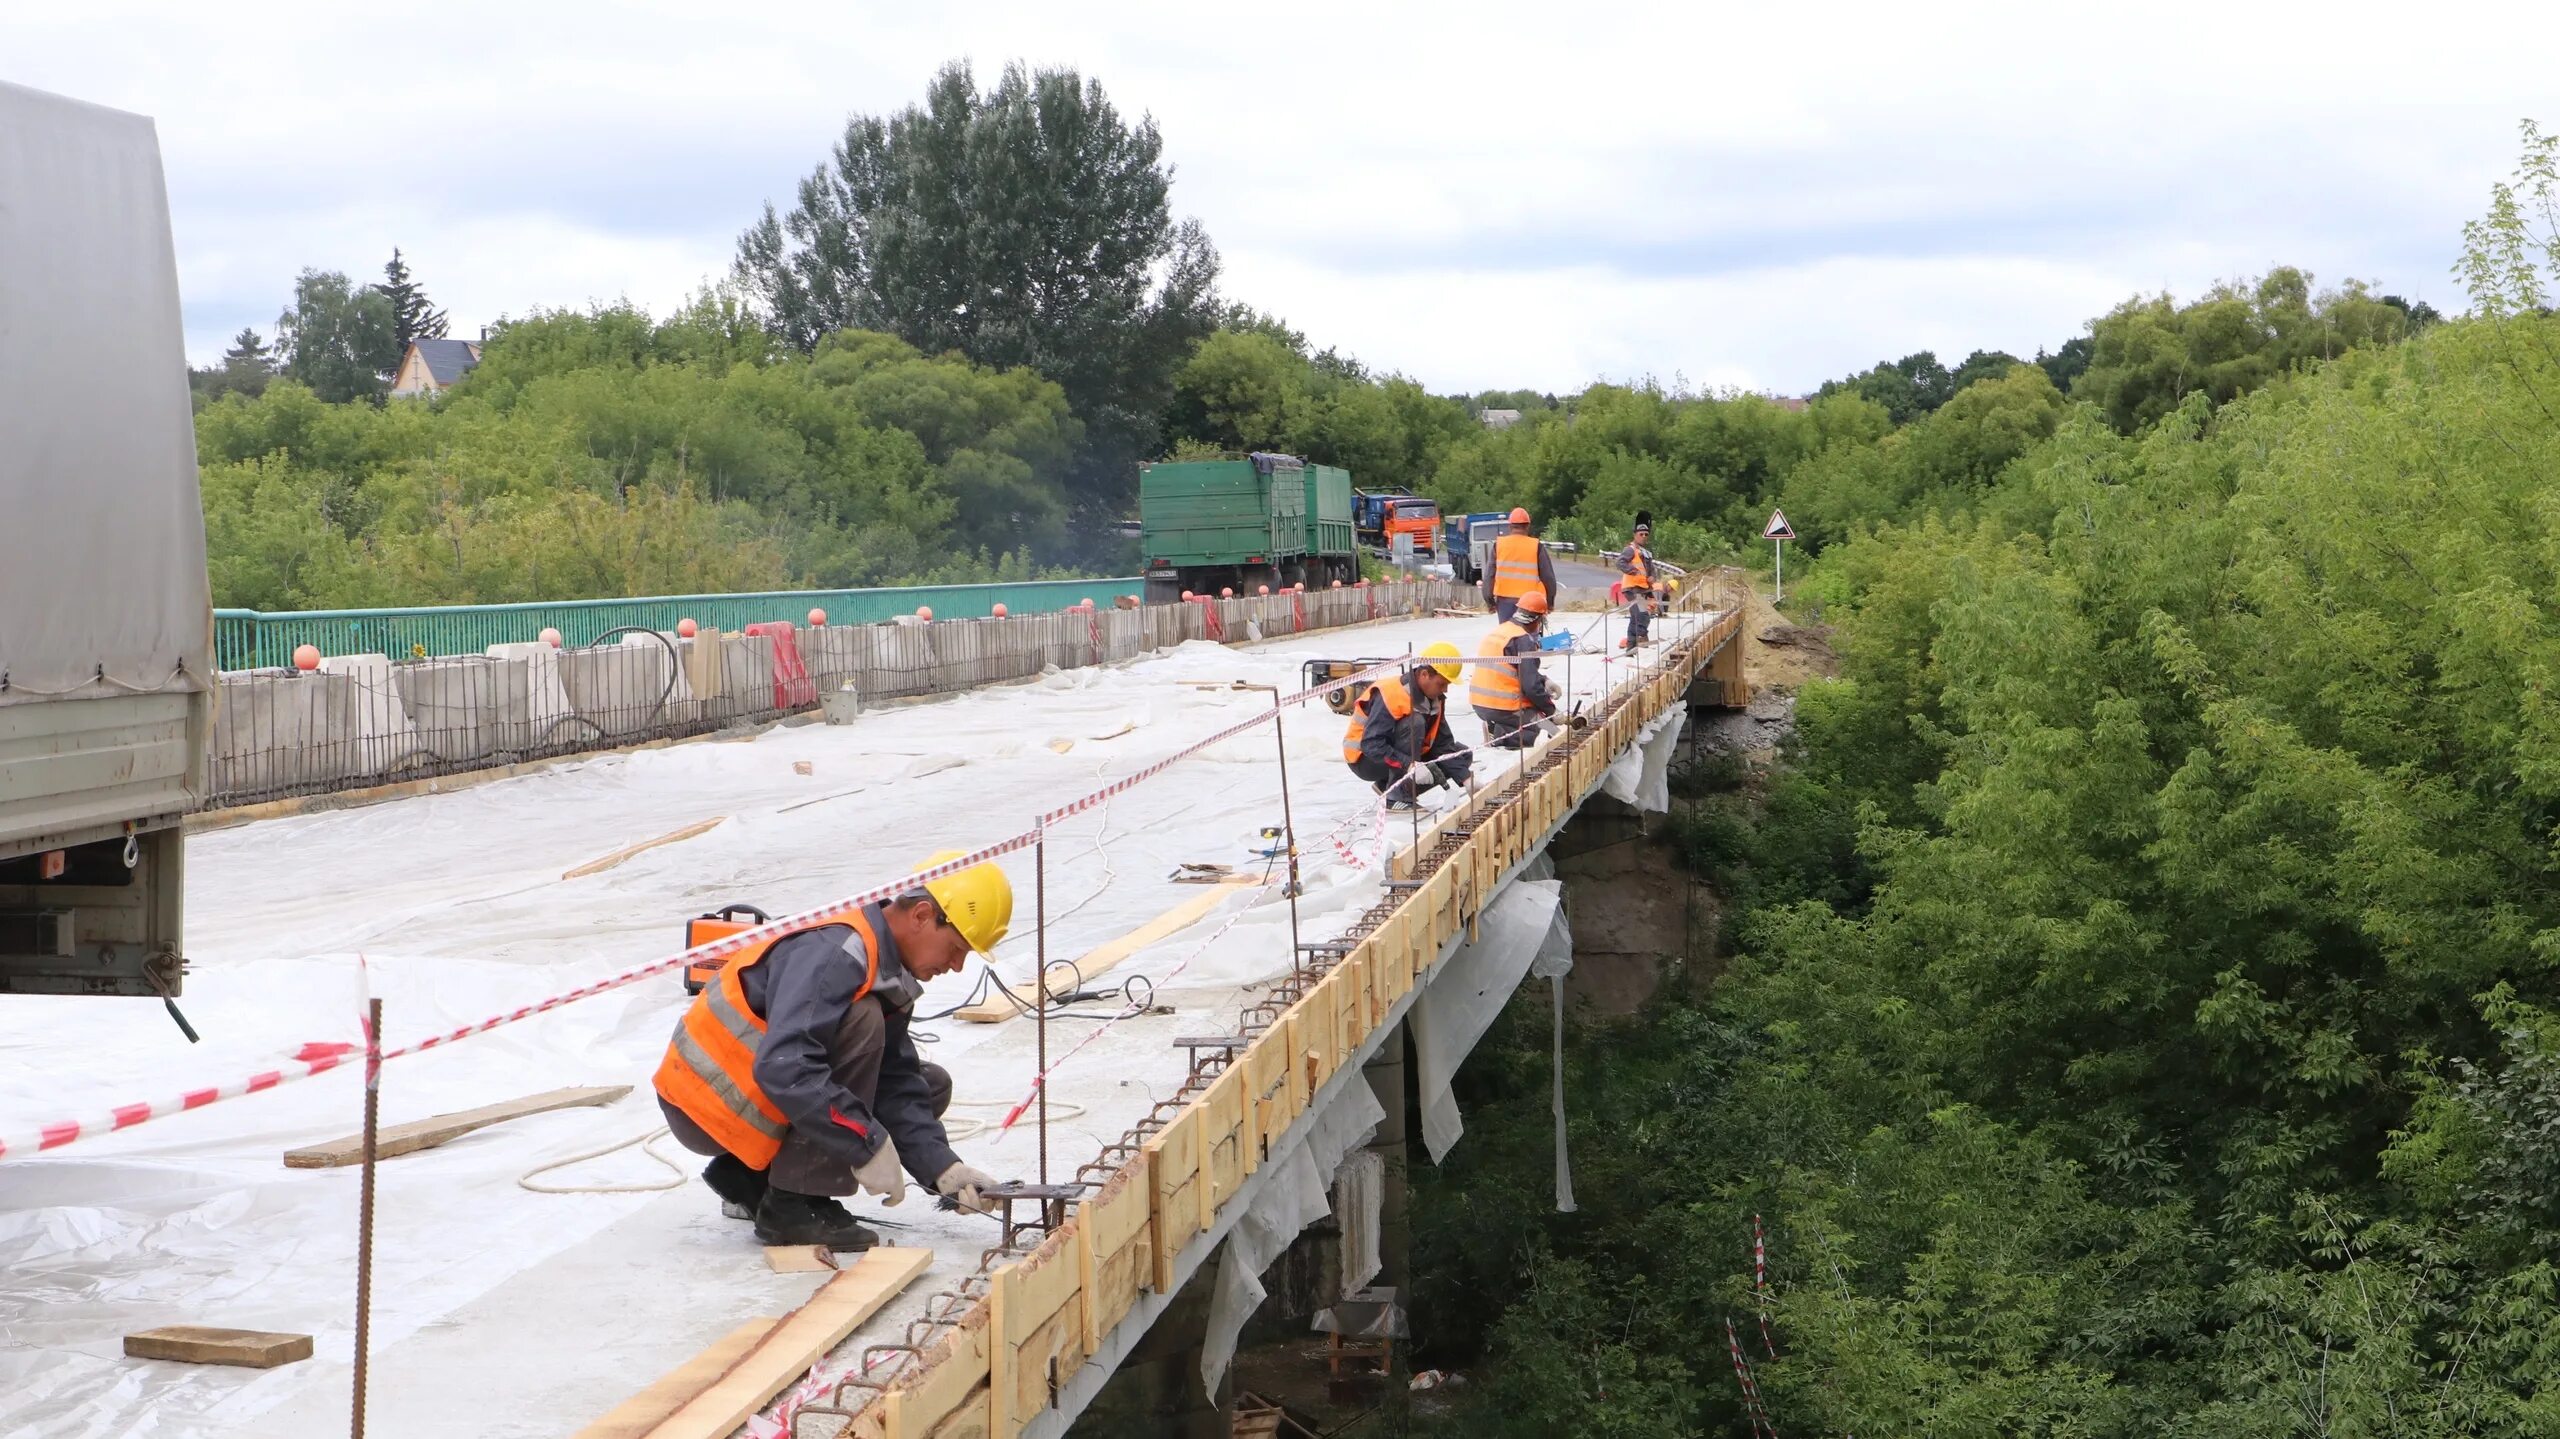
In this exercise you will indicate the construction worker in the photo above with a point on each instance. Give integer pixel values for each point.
(1520, 565)
(1512, 698)
(1399, 740)
(794, 1070)
(1636, 562)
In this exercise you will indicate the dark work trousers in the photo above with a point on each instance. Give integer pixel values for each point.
(1509, 729)
(1639, 616)
(1504, 608)
(853, 1057)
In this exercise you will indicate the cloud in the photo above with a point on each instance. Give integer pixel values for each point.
(1483, 195)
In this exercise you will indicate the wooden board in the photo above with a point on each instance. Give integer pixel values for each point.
(996, 1009)
(598, 866)
(197, 1344)
(800, 1258)
(643, 1411)
(786, 1352)
(420, 1134)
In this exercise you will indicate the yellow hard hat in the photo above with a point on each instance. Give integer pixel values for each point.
(978, 900)
(1444, 650)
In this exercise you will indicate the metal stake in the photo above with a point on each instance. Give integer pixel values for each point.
(1040, 978)
(364, 1219)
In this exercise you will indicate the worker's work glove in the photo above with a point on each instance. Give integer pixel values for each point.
(1426, 776)
(963, 1184)
(881, 1175)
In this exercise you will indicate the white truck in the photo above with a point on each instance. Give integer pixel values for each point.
(106, 623)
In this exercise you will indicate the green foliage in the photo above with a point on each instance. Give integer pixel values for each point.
(339, 340)
(1255, 388)
(245, 369)
(2141, 1021)
(2148, 355)
(1025, 225)
(603, 453)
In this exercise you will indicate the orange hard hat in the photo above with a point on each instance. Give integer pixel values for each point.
(1519, 516)
(1532, 603)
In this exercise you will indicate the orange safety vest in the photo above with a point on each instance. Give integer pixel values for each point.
(710, 1068)
(1515, 566)
(1399, 703)
(1497, 687)
(1642, 577)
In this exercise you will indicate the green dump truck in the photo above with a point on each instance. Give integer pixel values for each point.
(1209, 525)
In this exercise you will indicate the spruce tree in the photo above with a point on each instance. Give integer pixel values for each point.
(414, 316)
(249, 351)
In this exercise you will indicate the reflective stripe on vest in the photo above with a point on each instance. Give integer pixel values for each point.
(1399, 704)
(1641, 577)
(710, 1067)
(1515, 566)
(1497, 687)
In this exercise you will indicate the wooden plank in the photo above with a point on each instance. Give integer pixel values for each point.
(950, 1384)
(1173, 1158)
(599, 866)
(1042, 1282)
(202, 1344)
(786, 1352)
(420, 1134)
(997, 1008)
(643, 1411)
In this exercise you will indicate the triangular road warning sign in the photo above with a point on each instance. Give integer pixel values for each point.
(1778, 529)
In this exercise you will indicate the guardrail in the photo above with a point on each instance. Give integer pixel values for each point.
(1029, 1326)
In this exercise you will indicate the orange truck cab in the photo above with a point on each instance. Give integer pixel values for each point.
(720, 924)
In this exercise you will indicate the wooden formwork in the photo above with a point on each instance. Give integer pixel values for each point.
(1047, 1312)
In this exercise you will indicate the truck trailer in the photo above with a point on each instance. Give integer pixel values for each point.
(106, 623)
(1264, 519)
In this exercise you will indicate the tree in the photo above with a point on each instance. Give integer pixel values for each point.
(245, 369)
(248, 351)
(2066, 364)
(413, 315)
(1907, 388)
(1980, 365)
(1025, 225)
(339, 340)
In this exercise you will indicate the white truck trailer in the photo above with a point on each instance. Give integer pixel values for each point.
(106, 624)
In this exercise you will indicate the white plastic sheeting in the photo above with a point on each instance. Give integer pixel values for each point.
(1454, 1010)
(1642, 776)
(1359, 1202)
(1296, 1194)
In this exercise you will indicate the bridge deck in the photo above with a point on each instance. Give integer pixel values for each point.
(501, 1311)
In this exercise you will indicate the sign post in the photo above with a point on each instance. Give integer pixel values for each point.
(1779, 531)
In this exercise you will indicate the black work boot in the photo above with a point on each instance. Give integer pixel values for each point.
(740, 1189)
(788, 1218)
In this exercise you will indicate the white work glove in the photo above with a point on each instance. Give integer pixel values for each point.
(962, 1183)
(881, 1175)
(1425, 777)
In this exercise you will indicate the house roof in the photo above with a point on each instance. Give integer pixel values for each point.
(447, 360)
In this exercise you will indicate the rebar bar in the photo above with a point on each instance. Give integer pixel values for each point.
(364, 1212)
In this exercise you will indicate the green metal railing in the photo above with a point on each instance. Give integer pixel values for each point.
(248, 639)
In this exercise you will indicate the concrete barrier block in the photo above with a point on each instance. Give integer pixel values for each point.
(746, 678)
(277, 730)
(384, 739)
(467, 707)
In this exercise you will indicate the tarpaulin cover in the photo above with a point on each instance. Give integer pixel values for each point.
(1295, 1194)
(104, 544)
(1524, 922)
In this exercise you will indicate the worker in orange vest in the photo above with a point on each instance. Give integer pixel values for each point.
(795, 1073)
(1637, 564)
(1520, 565)
(1399, 740)
(1512, 698)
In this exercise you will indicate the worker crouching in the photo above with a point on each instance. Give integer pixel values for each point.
(1511, 698)
(1399, 740)
(796, 1073)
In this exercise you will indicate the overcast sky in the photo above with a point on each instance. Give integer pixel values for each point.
(1478, 196)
